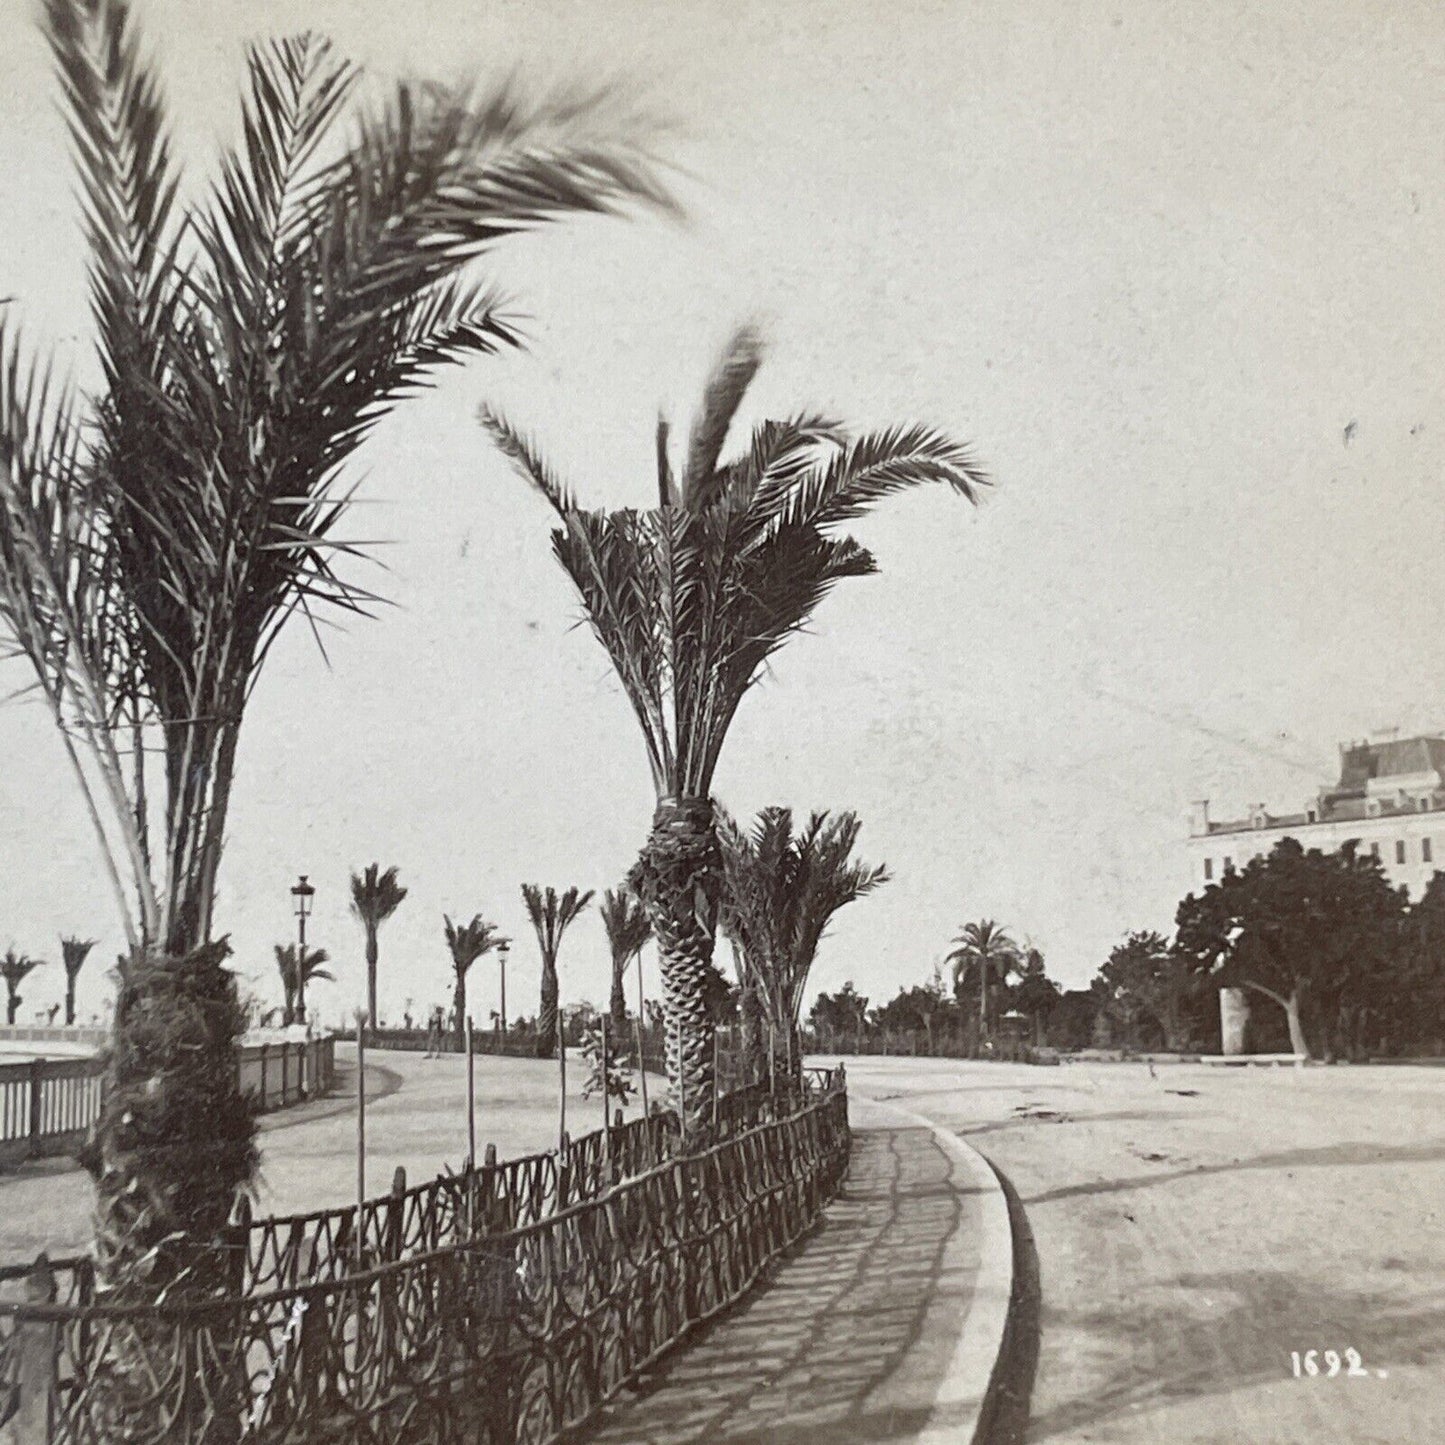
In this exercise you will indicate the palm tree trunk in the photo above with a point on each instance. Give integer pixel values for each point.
(69, 999)
(677, 879)
(547, 1017)
(172, 1149)
(617, 1005)
(12, 1006)
(371, 957)
(459, 1008)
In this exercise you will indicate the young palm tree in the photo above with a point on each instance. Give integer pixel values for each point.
(628, 931)
(690, 599)
(73, 953)
(552, 914)
(297, 970)
(467, 942)
(985, 952)
(15, 968)
(780, 891)
(156, 537)
(375, 896)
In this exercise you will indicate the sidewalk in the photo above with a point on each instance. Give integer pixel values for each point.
(882, 1326)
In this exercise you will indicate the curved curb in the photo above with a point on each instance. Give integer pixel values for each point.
(958, 1412)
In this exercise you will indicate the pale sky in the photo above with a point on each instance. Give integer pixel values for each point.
(1151, 260)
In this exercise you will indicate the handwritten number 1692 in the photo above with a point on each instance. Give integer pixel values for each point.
(1309, 1363)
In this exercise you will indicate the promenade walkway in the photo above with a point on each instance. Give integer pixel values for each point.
(858, 1335)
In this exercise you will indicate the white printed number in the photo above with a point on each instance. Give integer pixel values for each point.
(1330, 1363)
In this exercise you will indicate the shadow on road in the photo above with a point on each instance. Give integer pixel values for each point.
(1328, 1156)
(809, 1359)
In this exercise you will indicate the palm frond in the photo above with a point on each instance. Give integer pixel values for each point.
(552, 914)
(376, 895)
(721, 399)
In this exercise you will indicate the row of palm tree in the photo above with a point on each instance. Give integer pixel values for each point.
(15, 968)
(157, 535)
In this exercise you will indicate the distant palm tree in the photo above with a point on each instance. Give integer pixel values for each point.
(552, 914)
(467, 942)
(375, 896)
(985, 953)
(780, 891)
(690, 600)
(157, 534)
(15, 968)
(297, 970)
(628, 930)
(73, 953)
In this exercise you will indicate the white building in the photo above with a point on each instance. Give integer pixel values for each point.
(1390, 800)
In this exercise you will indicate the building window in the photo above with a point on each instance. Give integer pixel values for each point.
(1399, 850)
(1209, 866)
(1314, 817)
(1425, 851)
(1228, 864)
(1374, 850)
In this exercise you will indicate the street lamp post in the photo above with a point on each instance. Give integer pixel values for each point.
(303, 893)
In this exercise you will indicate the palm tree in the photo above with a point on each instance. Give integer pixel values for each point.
(73, 953)
(552, 914)
(690, 599)
(156, 536)
(467, 942)
(984, 951)
(780, 891)
(375, 896)
(628, 931)
(297, 970)
(15, 968)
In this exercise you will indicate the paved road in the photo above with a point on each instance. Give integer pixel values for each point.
(416, 1117)
(1195, 1227)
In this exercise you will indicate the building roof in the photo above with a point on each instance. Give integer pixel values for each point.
(1361, 762)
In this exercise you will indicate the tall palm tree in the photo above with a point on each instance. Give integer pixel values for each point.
(467, 942)
(375, 896)
(297, 969)
(155, 537)
(628, 930)
(15, 968)
(552, 914)
(73, 953)
(984, 953)
(780, 891)
(690, 599)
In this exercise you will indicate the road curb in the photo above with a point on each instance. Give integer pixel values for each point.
(960, 1407)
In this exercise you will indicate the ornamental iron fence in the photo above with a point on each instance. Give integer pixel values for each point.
(503, 1304)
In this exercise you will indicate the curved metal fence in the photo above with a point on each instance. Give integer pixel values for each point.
(504, 1304)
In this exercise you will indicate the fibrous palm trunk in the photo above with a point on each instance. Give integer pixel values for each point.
(12, 1007)
(677, 878)
(617, 1005)
(547, 1018)
(172, 1149)
(371, 957)
(69, 999)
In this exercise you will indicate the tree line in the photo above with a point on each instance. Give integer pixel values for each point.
(1333, 961)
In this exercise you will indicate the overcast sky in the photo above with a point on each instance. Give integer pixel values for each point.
(1152, 260)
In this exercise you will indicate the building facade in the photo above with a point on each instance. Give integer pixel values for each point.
(1389, 800)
